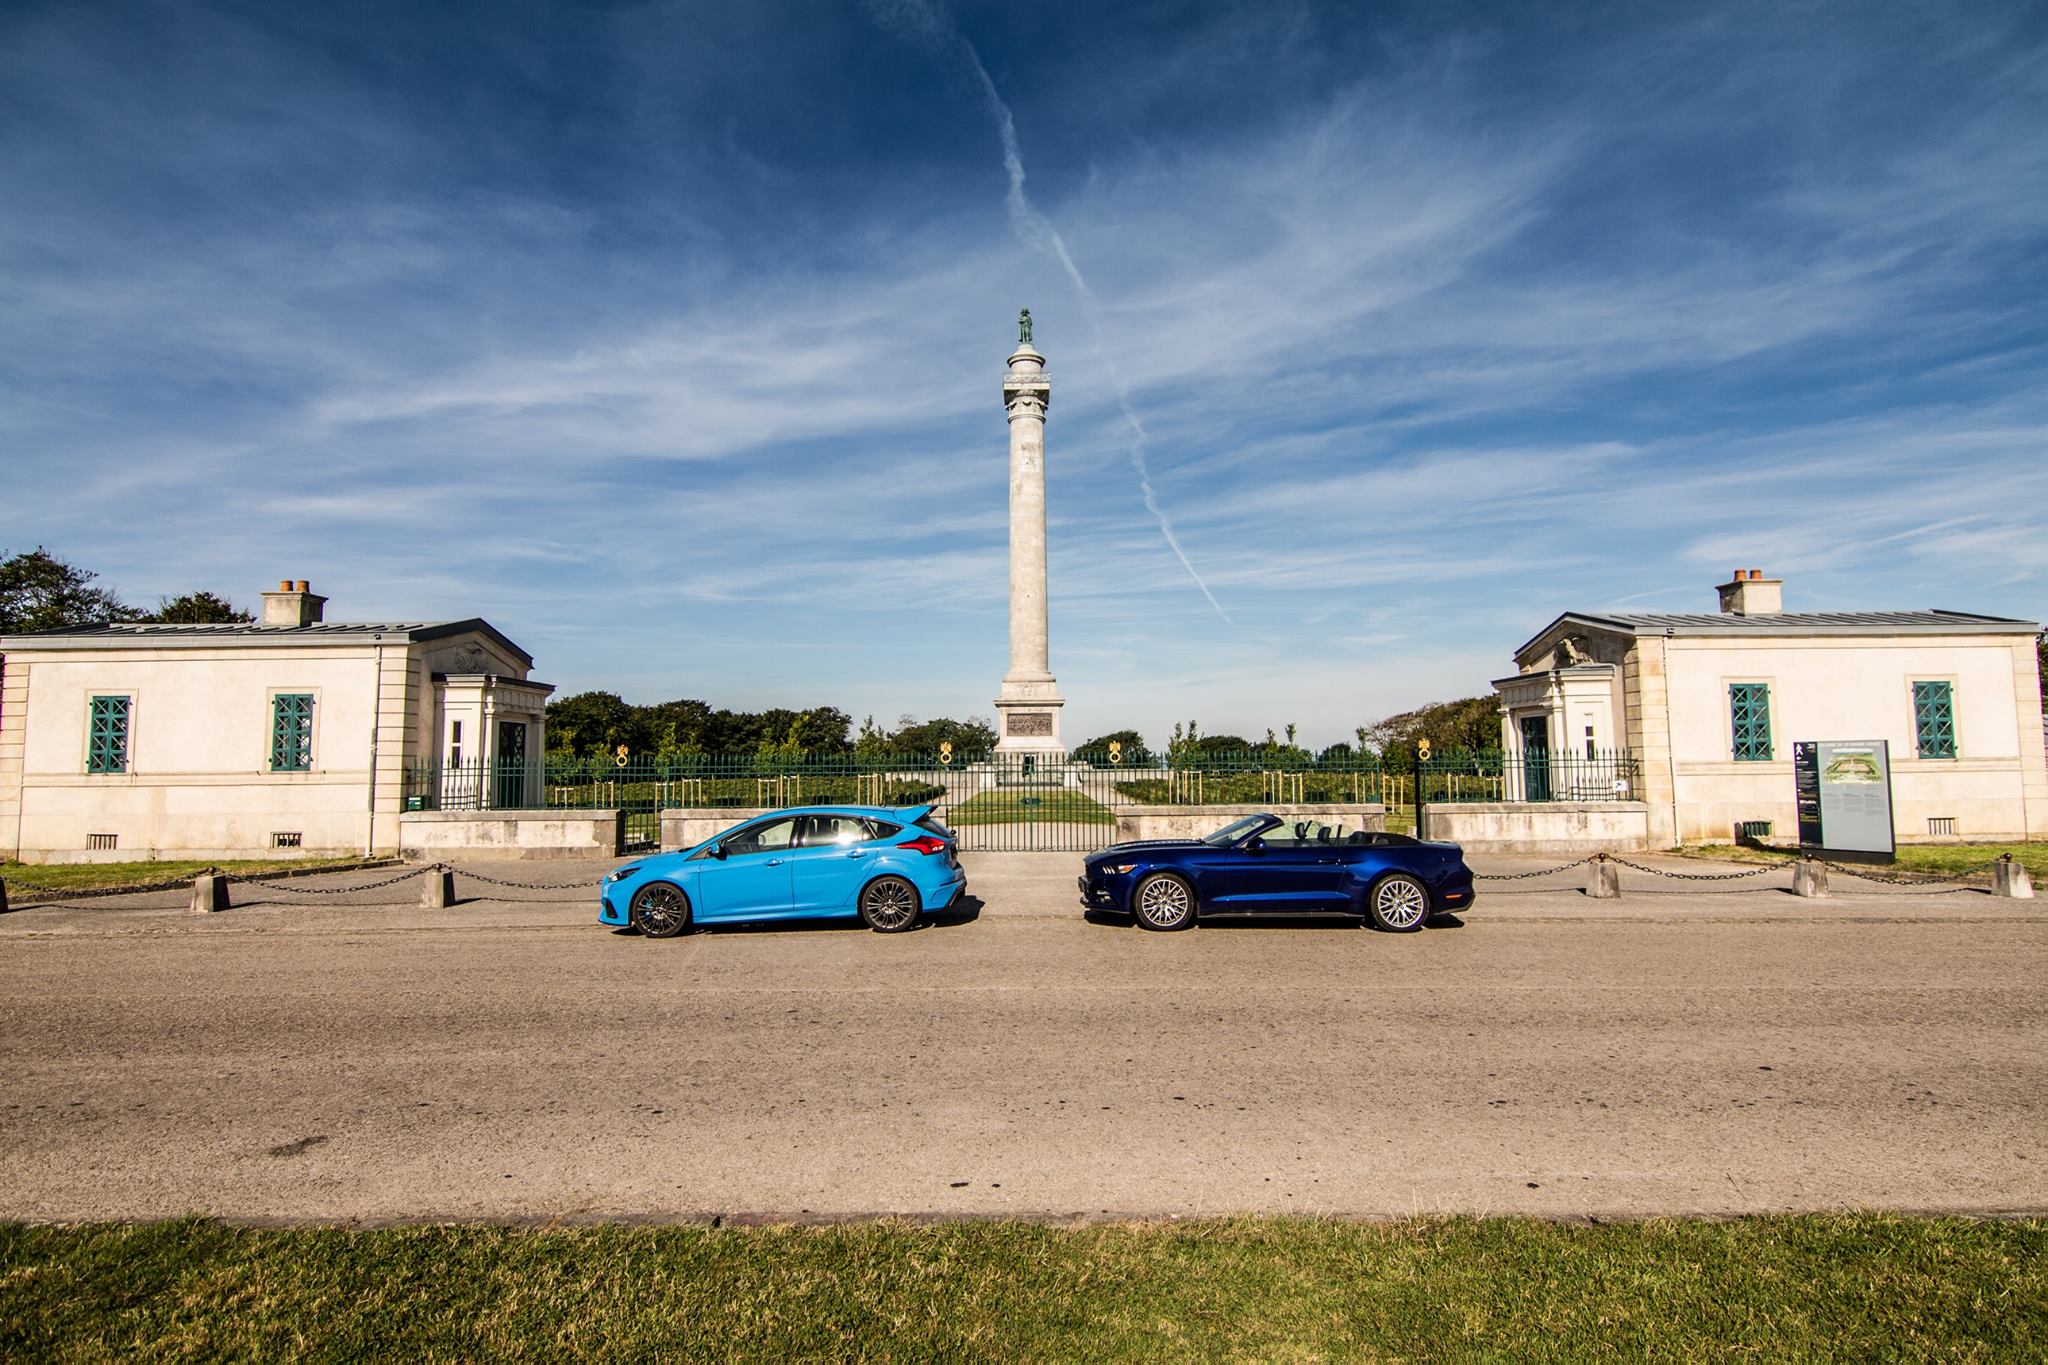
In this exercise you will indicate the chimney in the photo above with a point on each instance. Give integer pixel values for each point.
(293, 604)
(1749, 593)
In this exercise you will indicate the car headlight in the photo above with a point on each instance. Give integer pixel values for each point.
(1118, 869)
(620, 874)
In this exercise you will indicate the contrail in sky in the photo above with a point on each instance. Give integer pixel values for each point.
(926, 20)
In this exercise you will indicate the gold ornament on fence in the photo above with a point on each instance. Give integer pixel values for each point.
(619, 756)
(1116, 751)
(946, 751)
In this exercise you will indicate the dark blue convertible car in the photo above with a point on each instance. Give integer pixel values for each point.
(1265, 865)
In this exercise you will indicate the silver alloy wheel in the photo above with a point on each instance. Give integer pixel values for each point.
(1164, 902)
(660, 910)
(889, 904)
(1400, 903)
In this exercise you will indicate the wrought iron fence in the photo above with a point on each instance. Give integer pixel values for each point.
(1005, 798)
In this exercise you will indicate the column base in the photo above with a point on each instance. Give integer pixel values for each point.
(1030, 724)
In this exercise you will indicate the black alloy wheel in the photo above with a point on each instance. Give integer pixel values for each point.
(661, 910)
(888, 905)
(1164, 901)
(1398, 903)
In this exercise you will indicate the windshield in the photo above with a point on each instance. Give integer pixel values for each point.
(1235, 830)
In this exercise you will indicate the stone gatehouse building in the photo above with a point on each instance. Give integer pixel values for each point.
(1710, 704)
(290, 733)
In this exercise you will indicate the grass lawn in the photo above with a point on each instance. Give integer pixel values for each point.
(1053, 806)
(84, 876)
(1862, 1286)
(1930, 858)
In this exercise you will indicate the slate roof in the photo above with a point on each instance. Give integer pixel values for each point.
(148, 634)
(1930, 622)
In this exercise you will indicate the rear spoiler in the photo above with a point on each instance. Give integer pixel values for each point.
(912, 814)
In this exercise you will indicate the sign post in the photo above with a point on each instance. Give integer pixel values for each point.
(1843, 791)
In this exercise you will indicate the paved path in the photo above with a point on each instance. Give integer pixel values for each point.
(1691, 1047)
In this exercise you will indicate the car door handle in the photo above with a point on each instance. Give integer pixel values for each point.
(855, 853)
(773, 862)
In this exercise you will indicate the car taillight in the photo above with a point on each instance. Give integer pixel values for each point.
(926, 845)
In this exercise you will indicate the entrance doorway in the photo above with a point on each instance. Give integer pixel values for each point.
(1535, 758)
(508, 792)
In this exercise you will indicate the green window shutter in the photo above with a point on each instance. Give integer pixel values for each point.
(1934, 720)
(106, 749)
(291, 733)
(1749, 709)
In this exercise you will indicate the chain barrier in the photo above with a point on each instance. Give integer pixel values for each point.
(1916, 879)
(1704, 876)
(524, 886)
(1524, 876)
(276, 885)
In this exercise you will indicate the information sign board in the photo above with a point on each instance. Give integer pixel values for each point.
(1843, 791)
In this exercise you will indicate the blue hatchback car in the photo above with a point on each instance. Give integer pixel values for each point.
(813, 862)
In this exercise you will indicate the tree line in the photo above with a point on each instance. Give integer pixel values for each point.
(591, 723)
(39, 591)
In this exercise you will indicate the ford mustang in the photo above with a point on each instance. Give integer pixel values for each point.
(815, 862)
(1265, 865)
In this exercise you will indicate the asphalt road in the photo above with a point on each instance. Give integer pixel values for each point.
(1693, 1047)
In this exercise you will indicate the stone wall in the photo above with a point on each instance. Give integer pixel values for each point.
(1541, 826)
(1192, 822)
(686, 827)
(513, 833)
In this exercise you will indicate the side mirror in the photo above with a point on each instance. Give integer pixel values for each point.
(1257, 843)
(716, 851)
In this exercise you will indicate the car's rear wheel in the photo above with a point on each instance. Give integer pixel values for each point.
(1164, 901)
(888, 905)
(661, 910)
(1398, 903)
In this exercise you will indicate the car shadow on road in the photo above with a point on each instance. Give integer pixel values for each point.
(1344, 923)
(966, 910)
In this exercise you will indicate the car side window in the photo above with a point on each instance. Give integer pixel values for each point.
(773, 836)
(829, 831)
(882, 829)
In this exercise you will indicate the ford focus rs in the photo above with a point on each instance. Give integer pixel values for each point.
(1265, 865)
(818, 862)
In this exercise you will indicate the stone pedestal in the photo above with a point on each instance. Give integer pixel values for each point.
(1810, 878)
(1028, 704)
(209, 893)
(2008, 878)
(1603, 879)
(439, 892)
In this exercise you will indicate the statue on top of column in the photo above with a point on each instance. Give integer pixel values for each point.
(1024, 327)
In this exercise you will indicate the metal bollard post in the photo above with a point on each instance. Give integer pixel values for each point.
(209, 893)
(2008, 878)
(440, 889)
(1603, 878)
(1810, 877)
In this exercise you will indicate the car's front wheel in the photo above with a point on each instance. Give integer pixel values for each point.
(661, 910)
(1164, 901)
(888, 905)
(1398, 903)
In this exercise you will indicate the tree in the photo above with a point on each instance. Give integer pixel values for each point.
(38, 591)
(1096, 750)
(1469, 723)
(196, 609)
(975, 736)
(592, 723)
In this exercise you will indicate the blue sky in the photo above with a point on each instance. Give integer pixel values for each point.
(668, 336)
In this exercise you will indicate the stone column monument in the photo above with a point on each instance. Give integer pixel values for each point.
(1028, 708)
